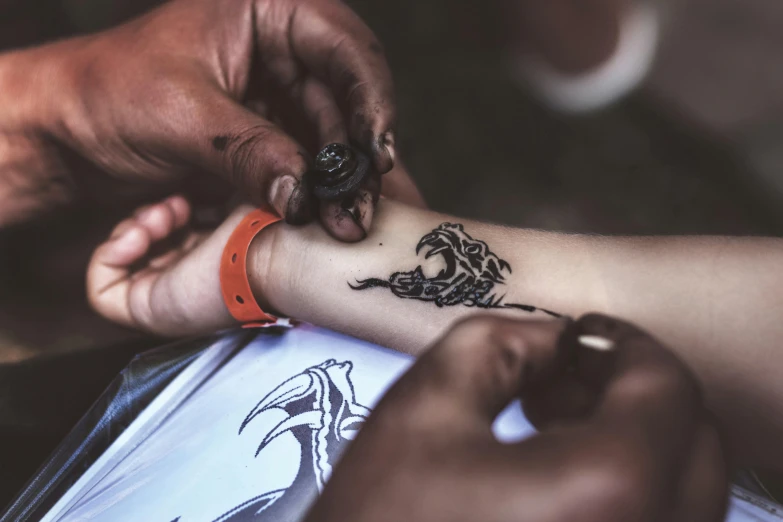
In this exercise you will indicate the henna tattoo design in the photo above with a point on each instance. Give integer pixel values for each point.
(471, 276)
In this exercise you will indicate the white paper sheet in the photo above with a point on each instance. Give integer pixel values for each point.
(203, 463)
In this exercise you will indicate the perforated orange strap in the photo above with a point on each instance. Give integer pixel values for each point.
(234, 283)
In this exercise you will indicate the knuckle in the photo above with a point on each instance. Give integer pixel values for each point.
(492, 338)
(479, 347)
(257, 152)
(246, 151)
(472, 328)
(464, 338)
(616, 484)
(672, 381)
(510, 349)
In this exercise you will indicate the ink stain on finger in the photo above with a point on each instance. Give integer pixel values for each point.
(301, 206)
(220, 142)
(341, 214)
(357, 216)
(348, 202)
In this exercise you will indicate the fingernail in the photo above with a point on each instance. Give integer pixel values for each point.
(596, 342)
(301, 207)
(387, 142)
(144, 214)
(280, 193)
(173, 199)
(127, 239)
(354, 215)
(360, 210)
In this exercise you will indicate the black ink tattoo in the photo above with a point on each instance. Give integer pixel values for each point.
(471, 278)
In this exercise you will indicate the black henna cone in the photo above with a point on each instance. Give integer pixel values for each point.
(339, 172)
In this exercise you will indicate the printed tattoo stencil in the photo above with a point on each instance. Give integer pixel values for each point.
(322, 414)
(471, 278)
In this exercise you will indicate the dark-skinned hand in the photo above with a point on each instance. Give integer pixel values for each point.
(249, 90)
(624, 436)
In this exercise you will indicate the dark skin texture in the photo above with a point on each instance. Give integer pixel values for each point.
(247, 90)
(624, 435)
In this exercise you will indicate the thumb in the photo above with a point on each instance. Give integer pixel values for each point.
(254, 154)
(481, 365)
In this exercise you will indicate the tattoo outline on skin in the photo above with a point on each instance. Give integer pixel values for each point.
(471, 278)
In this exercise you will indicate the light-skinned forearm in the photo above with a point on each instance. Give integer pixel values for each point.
(310, 276)
(716, 301)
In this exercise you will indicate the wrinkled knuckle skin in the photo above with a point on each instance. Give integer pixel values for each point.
(248, 151)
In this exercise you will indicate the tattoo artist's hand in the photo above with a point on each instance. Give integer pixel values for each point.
(624, 435)
(246, 89)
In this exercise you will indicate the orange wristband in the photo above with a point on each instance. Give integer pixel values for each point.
(234, 283)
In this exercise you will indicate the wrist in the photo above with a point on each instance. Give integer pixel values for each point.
(266, 258)
(34, 87)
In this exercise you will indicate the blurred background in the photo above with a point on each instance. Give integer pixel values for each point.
(696, 150)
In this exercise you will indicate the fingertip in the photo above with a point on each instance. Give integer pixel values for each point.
(180, 208)
(384, 152)
(126, 249)
(281, 191)
(379, 146)
(350, 220)
(287, 192)
(343, 224)
(159, 220)
(124, 225)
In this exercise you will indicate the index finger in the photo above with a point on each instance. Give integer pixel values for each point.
(476, 370)
(635, 439)
(337, 46)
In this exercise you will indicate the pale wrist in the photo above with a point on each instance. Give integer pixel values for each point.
(266, 261)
